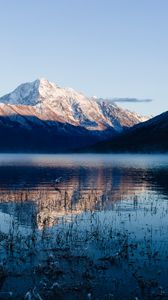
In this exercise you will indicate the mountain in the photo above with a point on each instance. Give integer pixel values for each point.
(44, 117)
(149, 137)
(48, 101)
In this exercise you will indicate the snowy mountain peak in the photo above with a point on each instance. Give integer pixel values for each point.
(30, 93)
(45, 84)
(48, 101)
(24, 94)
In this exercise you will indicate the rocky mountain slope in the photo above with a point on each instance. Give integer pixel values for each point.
(43, 112)
(47, 101)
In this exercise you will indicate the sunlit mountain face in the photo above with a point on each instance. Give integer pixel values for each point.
(48, 101)
(40, 116)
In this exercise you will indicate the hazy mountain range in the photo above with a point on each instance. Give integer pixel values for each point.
(40, 116)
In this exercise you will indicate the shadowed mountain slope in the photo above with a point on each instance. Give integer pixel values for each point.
(149, 136)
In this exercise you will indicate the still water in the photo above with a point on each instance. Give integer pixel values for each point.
(83, 227)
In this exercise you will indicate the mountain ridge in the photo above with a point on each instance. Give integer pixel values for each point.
(150, 136)
(58, 117)
(70, 106)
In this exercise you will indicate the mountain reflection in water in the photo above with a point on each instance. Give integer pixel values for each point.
(99, 203)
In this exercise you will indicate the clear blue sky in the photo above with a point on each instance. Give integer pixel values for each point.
(114, 48)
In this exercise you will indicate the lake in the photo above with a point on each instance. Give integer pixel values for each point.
(83, 227)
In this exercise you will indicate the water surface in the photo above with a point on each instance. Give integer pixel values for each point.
(81, 226)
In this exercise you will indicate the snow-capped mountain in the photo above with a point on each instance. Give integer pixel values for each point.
(48, 102)
(42, 117)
